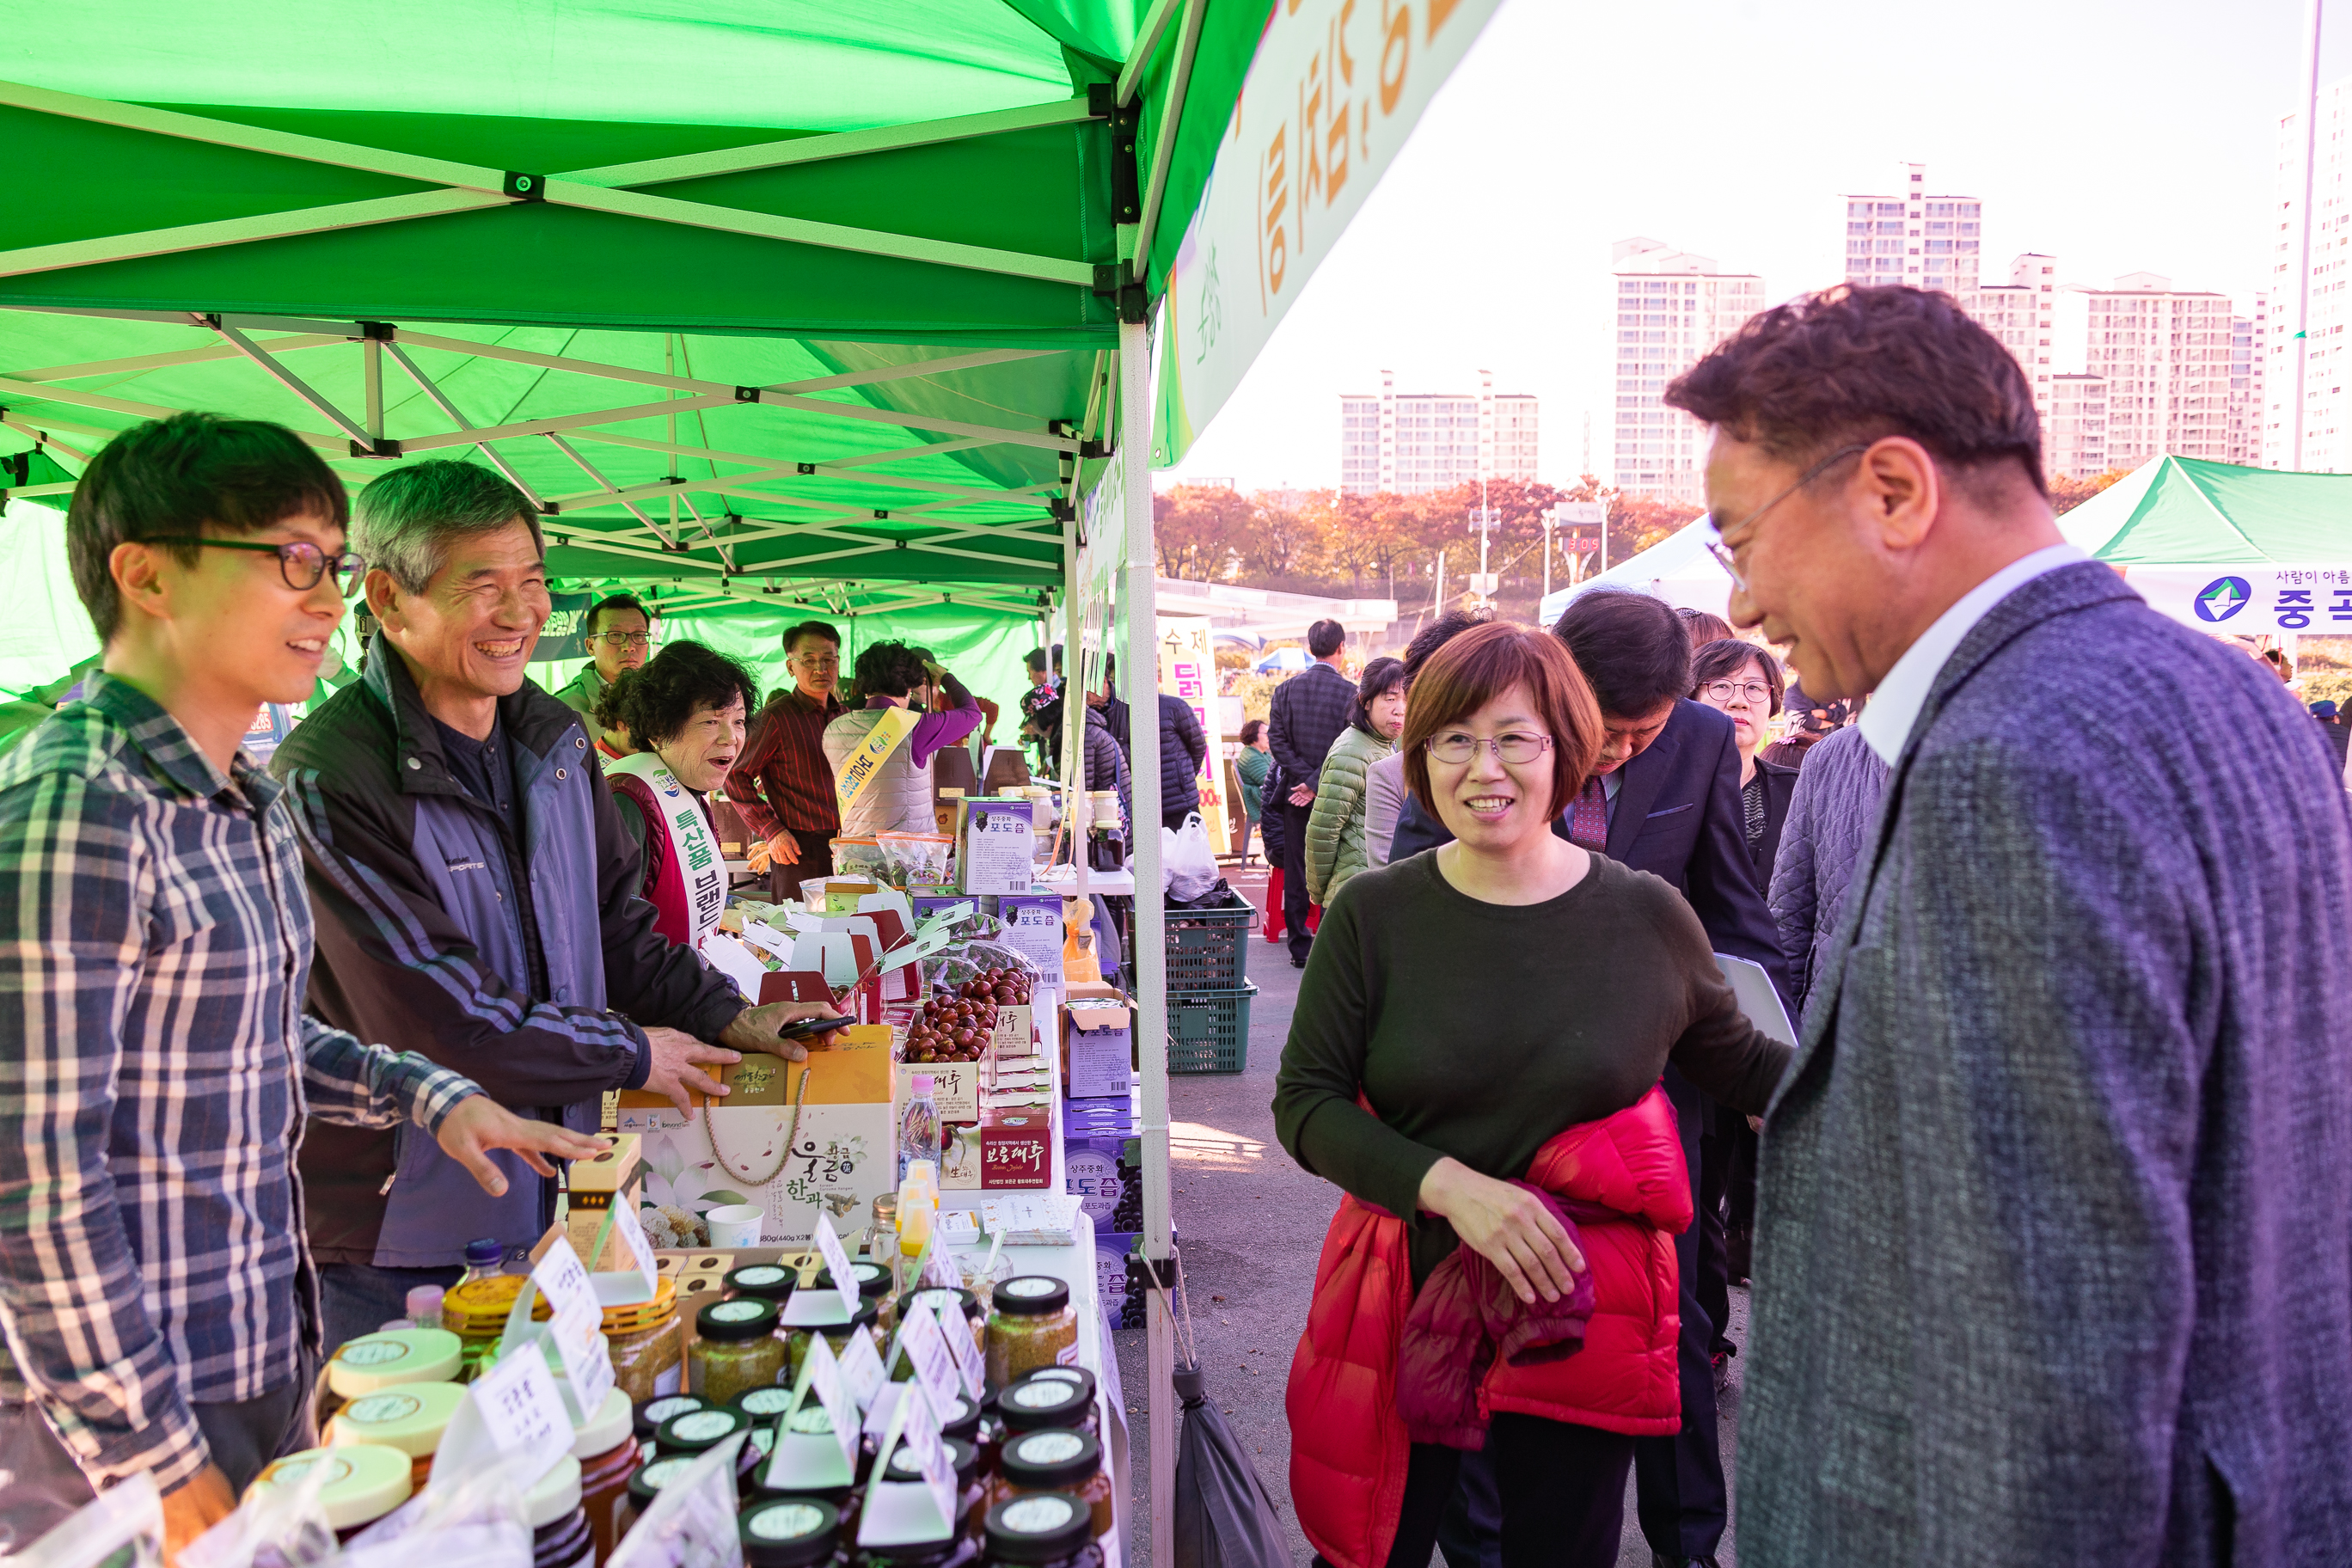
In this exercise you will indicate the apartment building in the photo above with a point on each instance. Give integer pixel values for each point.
(2166, 355)
(2074, 431)
(1671, 307)
(1406, 443)
(2021, 313)
(2326, 434)
(1913, 236)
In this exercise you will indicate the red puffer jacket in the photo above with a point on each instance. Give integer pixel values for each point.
(1349, 1445)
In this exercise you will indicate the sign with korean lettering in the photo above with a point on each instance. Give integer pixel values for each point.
(1187, 670)
(2248, 600)
(1334, 91)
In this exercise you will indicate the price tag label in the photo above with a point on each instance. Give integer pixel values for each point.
(862, 1370)
(956, 1334)
(633, 1238)
(836, 1258)
(523, 1412)
(825, 1383)
(899, 1512)
(563, 1280)
(920, 1433)
(576, 1326)
(927, 1352)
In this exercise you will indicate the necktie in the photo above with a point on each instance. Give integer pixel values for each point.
(1587, 822)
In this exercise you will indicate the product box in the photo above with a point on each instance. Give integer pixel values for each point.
(1098, 1043)
(1113, 1250)
(1101, 1169)
(735, 1150)
(995, 851)
(1033, 928)
(960, 1159)
(1016, 1031)
(1015, 1149)
(1098, 1119)
(955, 1088)
(594, 1184)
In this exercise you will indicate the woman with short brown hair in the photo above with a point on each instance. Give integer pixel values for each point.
(1474, 1058)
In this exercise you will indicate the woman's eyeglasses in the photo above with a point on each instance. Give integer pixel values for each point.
(1721, 692)
(1516, 747)
(300, 564)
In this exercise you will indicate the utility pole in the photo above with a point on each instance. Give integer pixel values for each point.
(2311, 23)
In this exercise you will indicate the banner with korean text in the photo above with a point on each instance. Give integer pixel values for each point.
(2252, 600)
(1334, 91)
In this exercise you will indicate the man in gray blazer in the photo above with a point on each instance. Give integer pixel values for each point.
(2053, 1249)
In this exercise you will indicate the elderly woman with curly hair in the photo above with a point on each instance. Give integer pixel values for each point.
(684, 715)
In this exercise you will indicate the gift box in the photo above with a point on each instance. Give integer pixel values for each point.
(1016, 1150)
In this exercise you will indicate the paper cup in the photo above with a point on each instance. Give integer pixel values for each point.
(735, 1225)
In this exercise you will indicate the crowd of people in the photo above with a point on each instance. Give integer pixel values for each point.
(2042, 1211)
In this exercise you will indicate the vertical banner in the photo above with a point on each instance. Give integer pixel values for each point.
(1188, 668)
(1334, 91)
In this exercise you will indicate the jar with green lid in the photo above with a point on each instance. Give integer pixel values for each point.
(1053, 1460)
(649, 1416)
(647, 1483)
(796, 1338)
(875, 1285)
(737, 1349)
(764, 1404)
(1031, 1325)
(699, 1431)
(975, 1316)
(768, 1281)
(1043, 1529)
(791, 1532)
(647, 1362)
(958, 1551)
(971, 1491)
(1049, 1398)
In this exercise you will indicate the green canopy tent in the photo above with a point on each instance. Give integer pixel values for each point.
(2227, 549)
(839, 308)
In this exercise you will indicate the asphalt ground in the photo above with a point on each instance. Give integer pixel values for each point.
(1251, 1224)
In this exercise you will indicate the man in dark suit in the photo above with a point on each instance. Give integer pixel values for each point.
(1665, 798)
(2051, 1236)
(1309, 710)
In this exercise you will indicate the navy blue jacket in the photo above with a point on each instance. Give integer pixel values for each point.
(1183, 749)
(1678, 816)
(432, 929)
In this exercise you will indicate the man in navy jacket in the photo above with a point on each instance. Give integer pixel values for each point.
(1668, 793)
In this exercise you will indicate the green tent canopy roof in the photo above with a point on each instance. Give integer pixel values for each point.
(2186, 511)
(773, 295)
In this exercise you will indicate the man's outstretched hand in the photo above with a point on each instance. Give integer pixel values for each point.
(480, 1124)
(754, 1028)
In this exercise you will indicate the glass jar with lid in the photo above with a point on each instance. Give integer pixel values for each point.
(697, 1431)
(768, 1281)
(875, 1285)
(647, 1483)
(1055, 1460)
(765, 1404)
(1043, 1529)
(934, 1296)
(650, 1416)
(797, 1337)
(791, 1532)
(1061, 1396)
(737, 1349)
(1031, 1325)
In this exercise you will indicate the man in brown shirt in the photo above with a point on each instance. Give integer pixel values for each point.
(783, 784)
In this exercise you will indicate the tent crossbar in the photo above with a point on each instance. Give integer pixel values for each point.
(900, 455)
(242, 230)
(726, 555)
(696, 385)
(909, 420)
(19, 493)
(1163, 151)
(40, 437)
(833, 145)
(556, 424)
(255, 139)
(32, 392)
(1147, 40)
(767, 528)
(449, 411)
(815, 232)
(295, 384)
(573, 452)
(604, 544)
(137, 365)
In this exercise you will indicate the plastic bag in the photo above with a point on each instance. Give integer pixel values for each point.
(915, 859)
(122, 1526)
(1187, 867)
(858, 858)
(691, 1524)
(1224, 1517)
(274, 1527)
(475, 1520)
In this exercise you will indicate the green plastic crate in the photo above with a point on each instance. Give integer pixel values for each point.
(1208, 950)
(1208, 1031)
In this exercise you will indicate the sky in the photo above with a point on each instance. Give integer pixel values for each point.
(2119, 138)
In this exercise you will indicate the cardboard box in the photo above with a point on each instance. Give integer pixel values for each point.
(996, 848)
(593, 1187)
(1016, 1150)
(733, 1151)
(955, 1088)
(1033, 928)
(960, 1160)
(1097, 1168)
(1098, 1043)
(1112, 1251)
(1016, 1031)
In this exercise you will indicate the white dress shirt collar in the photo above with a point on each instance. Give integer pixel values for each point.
(1894, 707)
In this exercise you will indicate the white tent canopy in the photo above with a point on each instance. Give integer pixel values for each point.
(1678, 568)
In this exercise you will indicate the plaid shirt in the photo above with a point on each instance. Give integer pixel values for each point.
(782, 780)
(155, 1069)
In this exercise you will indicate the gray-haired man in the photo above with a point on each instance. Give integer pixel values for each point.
(476, 897)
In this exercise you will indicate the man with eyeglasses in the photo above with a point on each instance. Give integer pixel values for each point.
(2051, 1237)
(618, 633)
(157, 1072)
(476, 893)
(782, 783)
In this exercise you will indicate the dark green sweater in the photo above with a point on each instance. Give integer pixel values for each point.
(1481, 1030)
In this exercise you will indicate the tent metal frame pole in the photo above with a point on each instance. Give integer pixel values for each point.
(295, 384)
(40, 437)
(1163, 152)
(691, 384)
(1138, 58)
(573, 452)
(371, 374)
(290, 224)
(139, 364)
(834, 145)
(1149, 964)
(32, 392)
(449, 411)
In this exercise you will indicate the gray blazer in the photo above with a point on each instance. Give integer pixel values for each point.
(2052, 1256)
(1828, 828)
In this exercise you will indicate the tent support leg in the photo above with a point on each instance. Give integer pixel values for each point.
(1148, 966)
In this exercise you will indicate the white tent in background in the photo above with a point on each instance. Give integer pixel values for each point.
(1678, 568)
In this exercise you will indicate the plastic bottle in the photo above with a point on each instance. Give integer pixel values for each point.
(485, 1259)
(424, 1306)
(918, 1128)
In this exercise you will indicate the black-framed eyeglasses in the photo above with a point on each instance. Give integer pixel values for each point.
(1724, 691)
(301, 563)
(624, 640)
(1516, 747)
(1723, 556)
